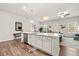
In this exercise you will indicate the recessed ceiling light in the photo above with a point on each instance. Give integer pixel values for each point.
(46, 18)
(24, 7)
(31, 21)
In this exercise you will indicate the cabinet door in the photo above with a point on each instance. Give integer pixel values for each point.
(55, 46)
(47, 44)
(39, 42)
(33, 38)
(30, 39)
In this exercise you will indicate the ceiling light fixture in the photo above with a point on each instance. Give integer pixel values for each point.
(45, 17)
(63, 14)
(24, 7)
(32, 21)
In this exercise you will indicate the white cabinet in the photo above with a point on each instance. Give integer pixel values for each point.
(32, 39)
(47, 44)
(55, 46)
(39, 42)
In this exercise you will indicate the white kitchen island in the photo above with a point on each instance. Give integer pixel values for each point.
(47, 42)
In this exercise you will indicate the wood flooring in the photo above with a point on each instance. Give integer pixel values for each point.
(68, 51)
(16, 48)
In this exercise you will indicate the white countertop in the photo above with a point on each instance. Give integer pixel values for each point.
(43, 34)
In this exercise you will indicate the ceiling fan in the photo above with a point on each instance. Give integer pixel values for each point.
(63, 14)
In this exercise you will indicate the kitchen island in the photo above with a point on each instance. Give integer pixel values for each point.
(47, 42)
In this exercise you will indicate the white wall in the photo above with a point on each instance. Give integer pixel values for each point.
(7, 25)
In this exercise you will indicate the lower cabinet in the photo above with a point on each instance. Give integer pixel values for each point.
(55, 50)
(32, 40)
(39, 42)
(47, 44)
(55, 46)
(29, 39)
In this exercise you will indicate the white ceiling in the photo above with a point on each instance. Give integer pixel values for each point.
(38, 10)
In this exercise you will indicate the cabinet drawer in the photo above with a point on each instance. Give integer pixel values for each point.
(46, 39)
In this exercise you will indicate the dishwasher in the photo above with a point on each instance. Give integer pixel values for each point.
(25, 37)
